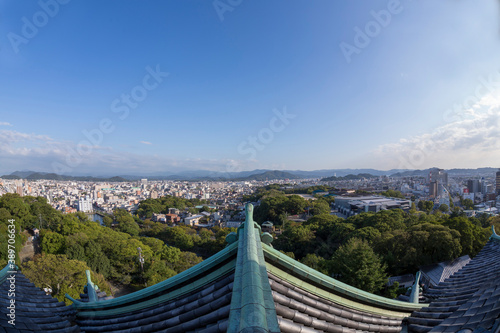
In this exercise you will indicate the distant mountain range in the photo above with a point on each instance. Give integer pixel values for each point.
(31, 175)
(259, 174)
(243, 176)
(276, 174)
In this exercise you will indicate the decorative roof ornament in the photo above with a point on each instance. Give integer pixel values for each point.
(415, 290)
(494, 235)
(91, 288)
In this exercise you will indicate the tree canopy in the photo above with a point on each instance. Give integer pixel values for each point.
(161, 205)
(401, 241)
(79, 244)
(356, 264)
(62, 275)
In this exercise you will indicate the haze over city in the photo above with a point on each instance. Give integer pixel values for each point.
(129, 87)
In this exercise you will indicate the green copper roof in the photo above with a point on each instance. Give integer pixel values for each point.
(324, 286)
(415, 291)
(494, 235)
(133, 301)
(4, 273)
(91, 290)
(252, 309)
(252, 305)
(143, 302)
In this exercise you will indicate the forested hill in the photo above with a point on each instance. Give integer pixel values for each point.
(31, 175)
(349, 177)
(270, 175)
(54, 176)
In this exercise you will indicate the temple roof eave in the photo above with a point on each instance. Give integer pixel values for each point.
(194, 272)
(346, 294)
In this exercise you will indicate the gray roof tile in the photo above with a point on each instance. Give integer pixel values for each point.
(469, 299)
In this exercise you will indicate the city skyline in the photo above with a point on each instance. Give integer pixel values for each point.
(126, 87)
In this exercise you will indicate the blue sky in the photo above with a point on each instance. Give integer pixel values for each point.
(239, 85)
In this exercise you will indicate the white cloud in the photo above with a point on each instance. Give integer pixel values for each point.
(146, 142)
(21, 151)
(471, 141)
(4, 123)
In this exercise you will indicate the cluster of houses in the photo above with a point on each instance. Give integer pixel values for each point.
(208, 219)
(202, 220)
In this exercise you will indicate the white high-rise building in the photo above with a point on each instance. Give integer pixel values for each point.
(85, 205)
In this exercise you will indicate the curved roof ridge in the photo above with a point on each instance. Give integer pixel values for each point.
(346, 291)
(252, 305)
(197, 270)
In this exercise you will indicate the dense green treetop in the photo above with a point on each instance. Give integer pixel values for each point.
(356, 264)
(161, 205)
(349, 177)
(393, 194)
(467, 203)
(81, 244)
(402, 241)
(426, 206)
(62, 275)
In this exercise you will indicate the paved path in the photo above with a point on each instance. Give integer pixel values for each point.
(29, 250)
